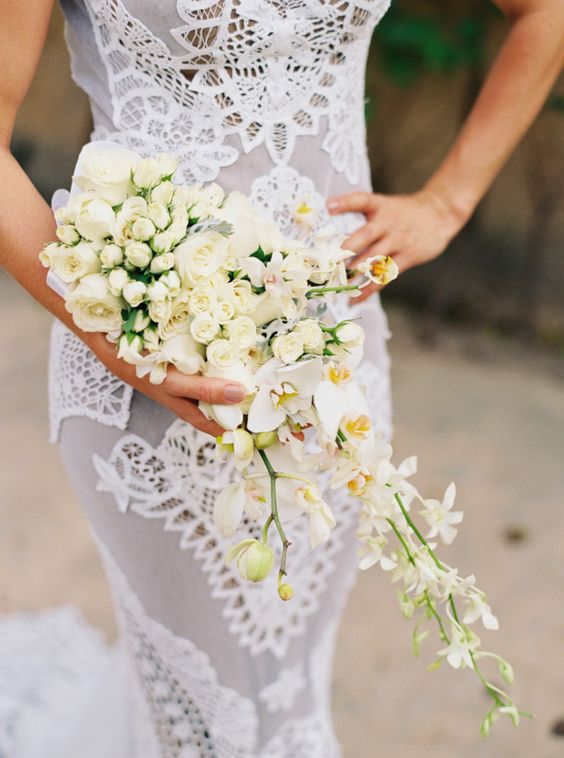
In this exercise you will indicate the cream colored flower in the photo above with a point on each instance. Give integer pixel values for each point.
(111, 256)
(242, 331)
(222, 353)
(202, 299)
(138, 254)
(142, 229)
(67, 234)
(204, 328)
(106, 172)
(312, 335)
(161, 263)
(134, 292)
(92, 305)
(117, 279)
(94, 217)
(71, 263)
(178, 321)
(199, 256)
(288, 347)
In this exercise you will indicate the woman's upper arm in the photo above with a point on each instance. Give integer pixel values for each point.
(23, 29)
(516, 8)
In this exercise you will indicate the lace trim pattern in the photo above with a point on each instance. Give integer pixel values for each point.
(177, 690)
(177, 483)
(80, 385)
(264, 71)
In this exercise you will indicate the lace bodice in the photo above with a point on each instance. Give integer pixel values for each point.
(215, 79)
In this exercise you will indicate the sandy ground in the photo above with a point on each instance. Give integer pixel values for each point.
(489, 416)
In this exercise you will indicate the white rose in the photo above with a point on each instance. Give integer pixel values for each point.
(244, 299)
(134, 292)
(72, 263)
(163, 242)
(186, 197)
(202, 300)
(129, 349)
(117, 279)
(222, 353)
(147, 173)
(141, 322)
(350, 335)
(178, 321)
(92, 305)
(157, 292)
(160, 311)
(224, 311)
(172, 281)
(163, 192)
(138, 254)
(158, 214)
(199, 256)
(182, 352)
(311, 334)
(94, 217)
(142, 229)
(209, 201)
(47, 252)
(111, 255)
(67, 234)
(242, 332)
(204, 328)
(288, 347)
(162, 263)
(134, 207)
(106, 172)
(64, 215)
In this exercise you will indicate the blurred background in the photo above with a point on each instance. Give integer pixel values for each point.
(478, 378)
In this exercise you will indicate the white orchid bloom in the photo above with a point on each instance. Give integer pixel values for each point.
(372, 552)
(321, 518)
(283, 390)
(478, 608)
(228, 508)
(335, 401)
(439, 517)
(240, 444)
(462, 644)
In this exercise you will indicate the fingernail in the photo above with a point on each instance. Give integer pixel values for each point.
(332, 205)
(234, 393)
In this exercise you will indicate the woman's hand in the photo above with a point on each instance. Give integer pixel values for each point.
(179, 392)
(413, 229)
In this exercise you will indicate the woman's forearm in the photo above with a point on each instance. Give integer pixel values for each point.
(514, 92)
(26, 224)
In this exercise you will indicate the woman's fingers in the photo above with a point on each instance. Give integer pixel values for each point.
(209, 389)
(362, 239)
(359, 202)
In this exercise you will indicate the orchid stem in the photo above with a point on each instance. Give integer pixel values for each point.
(317, 291)
(274, 513)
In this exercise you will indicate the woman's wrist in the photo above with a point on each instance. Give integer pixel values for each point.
(457, 204)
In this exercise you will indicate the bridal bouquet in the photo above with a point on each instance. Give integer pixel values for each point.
(190, 277)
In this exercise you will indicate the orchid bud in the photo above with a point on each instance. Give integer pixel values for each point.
(265, 439)
(285, 591)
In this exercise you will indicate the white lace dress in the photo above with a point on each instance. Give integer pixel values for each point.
(266, 97)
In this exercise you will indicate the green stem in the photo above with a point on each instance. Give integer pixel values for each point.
(317, 291)
(274, 513)
(428, 602)
(418, 534)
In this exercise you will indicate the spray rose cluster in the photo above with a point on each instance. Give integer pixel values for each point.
(191, 277)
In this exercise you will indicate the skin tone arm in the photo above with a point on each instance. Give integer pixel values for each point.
(26, 223)
(416, 228)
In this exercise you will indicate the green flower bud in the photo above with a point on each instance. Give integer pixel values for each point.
(285, 591)
(265, 439)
